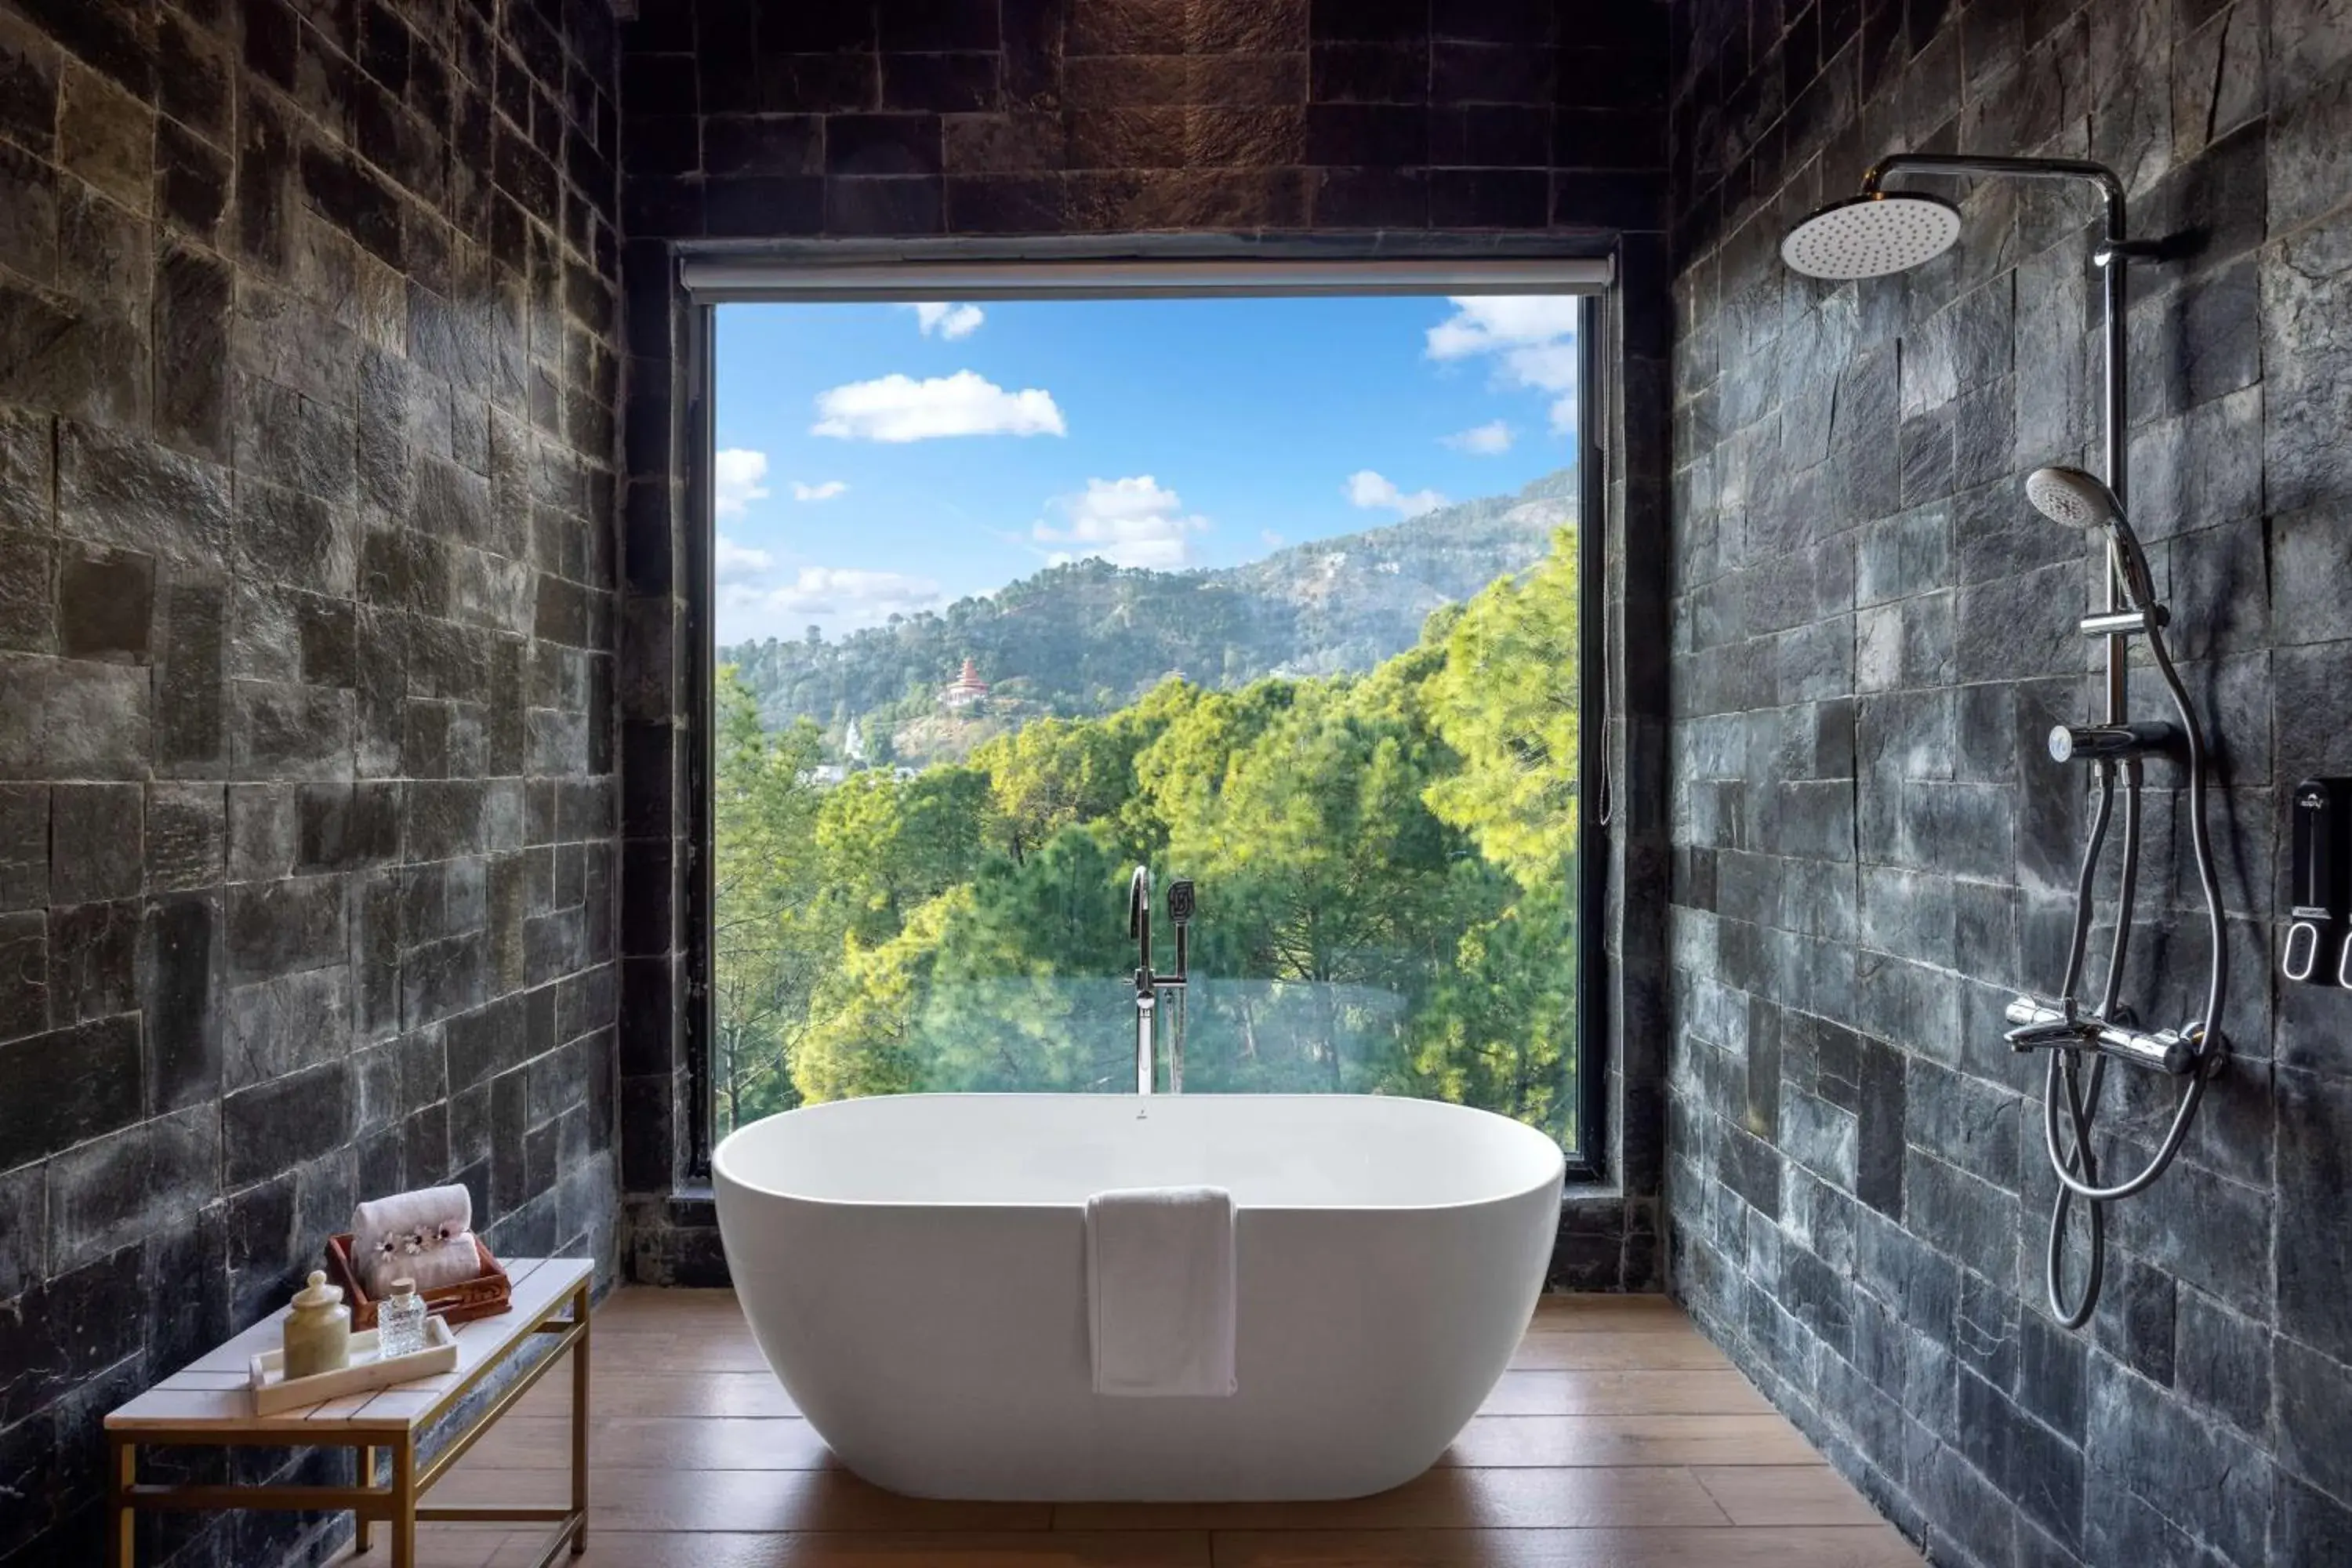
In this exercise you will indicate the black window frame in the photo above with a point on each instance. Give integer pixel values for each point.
(1125, 268)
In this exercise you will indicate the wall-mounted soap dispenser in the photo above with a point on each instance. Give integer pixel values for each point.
(2318, 948)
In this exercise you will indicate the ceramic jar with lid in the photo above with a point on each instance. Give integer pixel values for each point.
(319, 1330)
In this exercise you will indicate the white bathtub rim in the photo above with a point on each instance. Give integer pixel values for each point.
(722, 1177)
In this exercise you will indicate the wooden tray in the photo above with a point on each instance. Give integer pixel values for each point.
(486, 1295)
(273, 1392)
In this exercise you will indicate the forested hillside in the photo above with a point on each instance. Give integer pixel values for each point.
(1084, 639)
(1386, 864)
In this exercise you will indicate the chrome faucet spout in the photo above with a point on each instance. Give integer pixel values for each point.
(1138, 916)
(1146, 997)
(1148, 982)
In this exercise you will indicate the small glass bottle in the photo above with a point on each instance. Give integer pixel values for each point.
(400, 1322)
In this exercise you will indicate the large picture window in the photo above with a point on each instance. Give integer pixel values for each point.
(1281, 594)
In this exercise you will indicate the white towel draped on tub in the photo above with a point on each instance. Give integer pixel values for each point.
(1160, 1291)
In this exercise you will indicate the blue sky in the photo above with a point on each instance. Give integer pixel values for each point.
(876, 458)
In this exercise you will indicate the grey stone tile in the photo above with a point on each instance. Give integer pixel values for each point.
(146, 1178)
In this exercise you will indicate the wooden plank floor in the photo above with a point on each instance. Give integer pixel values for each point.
(1619, 1439)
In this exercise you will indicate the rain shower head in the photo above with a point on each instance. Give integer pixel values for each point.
(2075, 499)
(1872, 235)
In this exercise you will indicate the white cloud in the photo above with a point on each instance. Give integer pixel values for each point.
(740, 480)
(1487, 322)
(836, 588)
(836, 598)
(1552, 366)
(733, 562)
(825, 492)
(1367, 489)
(1127, 522)
(1531, 337)
(899, 408)
(1481, 440)
(949, 321)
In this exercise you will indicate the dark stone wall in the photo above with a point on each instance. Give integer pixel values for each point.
(1872, 632)
(751, 123)
(1121, 116)
(308, 377)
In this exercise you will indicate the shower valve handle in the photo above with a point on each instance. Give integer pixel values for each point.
(2109, 743)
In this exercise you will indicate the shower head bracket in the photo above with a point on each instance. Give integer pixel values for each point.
(2122, 623)
(2115, 250)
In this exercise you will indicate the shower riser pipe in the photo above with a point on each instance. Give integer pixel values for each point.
(2114, 404)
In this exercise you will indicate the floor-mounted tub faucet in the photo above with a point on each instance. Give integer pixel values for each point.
(1149, 984)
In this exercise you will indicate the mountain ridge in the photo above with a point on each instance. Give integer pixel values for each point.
(1084, 638)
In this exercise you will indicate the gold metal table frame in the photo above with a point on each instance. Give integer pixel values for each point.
(397, 1504)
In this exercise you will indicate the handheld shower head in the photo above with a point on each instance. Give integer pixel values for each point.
(1872, 235)
(2075, 499)
(2072, 497)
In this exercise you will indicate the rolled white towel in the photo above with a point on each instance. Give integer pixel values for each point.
(405, 1214)
(429, 1266)
(425, 1236)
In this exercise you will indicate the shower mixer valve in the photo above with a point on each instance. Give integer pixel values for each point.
(2172, 1051)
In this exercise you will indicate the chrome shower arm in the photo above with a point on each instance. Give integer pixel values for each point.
(2110, 185)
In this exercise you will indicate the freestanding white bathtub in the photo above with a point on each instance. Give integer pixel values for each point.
(914, 1268)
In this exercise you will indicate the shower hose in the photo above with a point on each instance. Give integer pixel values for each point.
(2075, 1091)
